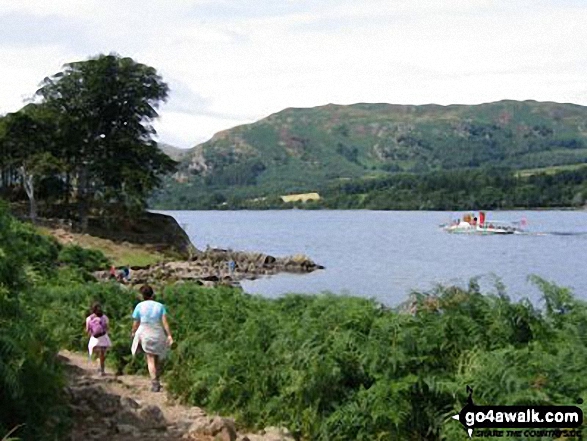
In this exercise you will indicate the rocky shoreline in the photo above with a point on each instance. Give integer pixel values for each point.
(214, 267)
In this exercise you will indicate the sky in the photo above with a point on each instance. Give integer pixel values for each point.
(234, 62)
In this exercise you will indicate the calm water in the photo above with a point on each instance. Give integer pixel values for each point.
(387, 254)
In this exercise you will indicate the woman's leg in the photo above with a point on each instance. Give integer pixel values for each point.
(152, 365)
(102, 356)
(152, 362)
(158, 366)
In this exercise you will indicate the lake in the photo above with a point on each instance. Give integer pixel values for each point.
(386, 254)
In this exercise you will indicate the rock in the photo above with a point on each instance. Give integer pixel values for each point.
(107, 422)
(225, 434)
(81, 409)
(156, 230)
(127, 429)
(152, 417)
(97, 398)
(183, 425)
(211, 268)
(299, 258)
(222, 429)
(200, 426)
(128, 417)
(219, 424)
(194, 412)
(256, 437)
(277, 434)
(269, 260)
(96, 433)
(129, 403)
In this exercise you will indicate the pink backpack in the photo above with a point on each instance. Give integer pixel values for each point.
(97, 326)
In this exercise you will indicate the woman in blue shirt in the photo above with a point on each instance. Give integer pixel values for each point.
(151, 334)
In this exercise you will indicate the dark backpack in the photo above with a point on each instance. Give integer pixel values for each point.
(97, 326)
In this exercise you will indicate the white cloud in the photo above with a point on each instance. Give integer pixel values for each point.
(229, 62)
(187, 130)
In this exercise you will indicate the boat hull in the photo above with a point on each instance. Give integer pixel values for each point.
(480, 231)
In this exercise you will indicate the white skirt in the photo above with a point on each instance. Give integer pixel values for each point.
(151, 339)
(100, 342)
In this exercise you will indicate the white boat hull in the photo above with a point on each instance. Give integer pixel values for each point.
(477, 230)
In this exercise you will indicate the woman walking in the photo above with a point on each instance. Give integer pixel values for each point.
(97, 329)
(151, 333)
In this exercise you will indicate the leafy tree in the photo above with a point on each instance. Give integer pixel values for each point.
(105, 108)
(26, 139)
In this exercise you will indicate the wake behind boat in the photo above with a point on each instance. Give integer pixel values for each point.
(471, 224)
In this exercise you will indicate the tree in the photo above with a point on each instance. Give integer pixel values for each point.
(27, 138)
(106, 106)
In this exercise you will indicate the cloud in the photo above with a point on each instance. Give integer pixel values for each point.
(24, 30)
(186, 130)
(229, 62)
(184, 100)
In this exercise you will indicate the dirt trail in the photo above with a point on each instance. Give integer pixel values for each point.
(120, 408)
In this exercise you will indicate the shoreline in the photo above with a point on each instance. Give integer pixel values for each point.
(164, 210)
(214, 267)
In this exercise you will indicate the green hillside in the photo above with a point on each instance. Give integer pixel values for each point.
(299, 150)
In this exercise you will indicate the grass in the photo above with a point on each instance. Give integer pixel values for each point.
(119, 253)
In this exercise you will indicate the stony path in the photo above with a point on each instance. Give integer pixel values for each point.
(119, 408)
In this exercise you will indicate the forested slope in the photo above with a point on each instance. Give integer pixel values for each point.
(299, 150)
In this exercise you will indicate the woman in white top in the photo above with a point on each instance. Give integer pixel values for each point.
(151, 334)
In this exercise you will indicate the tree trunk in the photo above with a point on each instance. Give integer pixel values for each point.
(82, 194)
(28, 181)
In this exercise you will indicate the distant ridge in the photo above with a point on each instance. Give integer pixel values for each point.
(174, 153)
(299, 150)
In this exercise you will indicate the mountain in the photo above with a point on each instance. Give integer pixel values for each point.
(299, 150)
(174, 153)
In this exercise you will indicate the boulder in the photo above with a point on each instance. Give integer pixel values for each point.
(222, 429)
(269, 260)
(127, 417)
(195, 412)
(97, 398)
(152, 417)
(128, 430)
(129, 403)
(276, 434)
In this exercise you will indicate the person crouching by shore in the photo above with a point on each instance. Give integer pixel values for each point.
(151, 334)
(97, 329)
